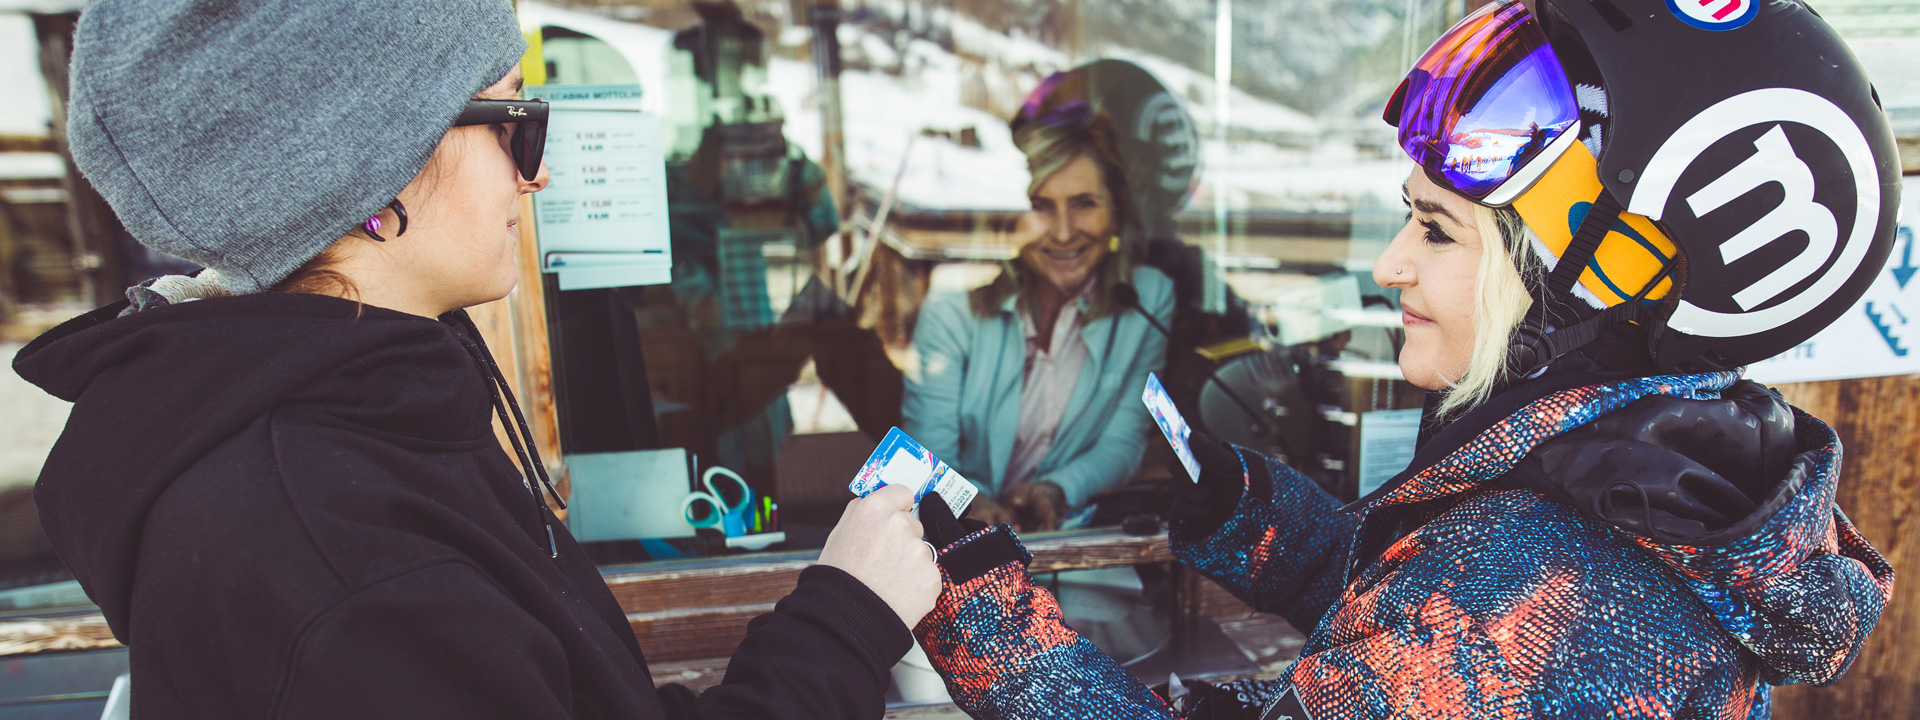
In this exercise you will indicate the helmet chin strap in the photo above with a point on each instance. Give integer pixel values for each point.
(1536, 344)
(1534, 347)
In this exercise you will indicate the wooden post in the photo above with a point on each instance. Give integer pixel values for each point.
(824, 16)
(1878, 420)
(515, 328)
(93, 227)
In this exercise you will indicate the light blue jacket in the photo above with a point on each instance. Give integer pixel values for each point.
(963, 403)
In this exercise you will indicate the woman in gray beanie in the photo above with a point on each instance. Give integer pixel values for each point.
(280, 480)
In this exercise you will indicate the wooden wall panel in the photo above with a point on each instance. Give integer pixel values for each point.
(73, 632)
(693, 633)
(724, 585)
(1878, 420)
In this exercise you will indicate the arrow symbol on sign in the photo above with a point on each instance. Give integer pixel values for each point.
(1904, 272)
(1886, 329)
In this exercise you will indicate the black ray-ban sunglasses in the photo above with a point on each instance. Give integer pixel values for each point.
(529, 121)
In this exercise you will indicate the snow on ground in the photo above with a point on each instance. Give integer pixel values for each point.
(1196, 90)
(29, 110)
(1333, 178)
(882, 112)
(1013, 50)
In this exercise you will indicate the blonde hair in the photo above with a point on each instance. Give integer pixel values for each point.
(1050, 147)
(1500, 303)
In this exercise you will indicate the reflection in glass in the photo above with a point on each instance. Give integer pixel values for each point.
(801, 325)
(1029, 384)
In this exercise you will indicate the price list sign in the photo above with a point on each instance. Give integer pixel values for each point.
(605, 207)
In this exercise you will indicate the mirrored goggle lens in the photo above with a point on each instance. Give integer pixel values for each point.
(1484, 102)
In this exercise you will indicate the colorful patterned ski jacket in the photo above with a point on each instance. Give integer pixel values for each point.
(1524, 571)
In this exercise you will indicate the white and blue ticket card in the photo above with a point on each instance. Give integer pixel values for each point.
(1171, 424)
(901, 461)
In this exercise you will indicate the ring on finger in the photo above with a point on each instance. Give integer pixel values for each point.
(932, 549)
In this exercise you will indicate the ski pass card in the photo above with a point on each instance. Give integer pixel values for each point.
(901, 461)
(1171, 424)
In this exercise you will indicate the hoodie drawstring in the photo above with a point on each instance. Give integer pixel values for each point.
(518, 434)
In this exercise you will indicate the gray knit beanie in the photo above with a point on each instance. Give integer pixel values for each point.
(248, 135)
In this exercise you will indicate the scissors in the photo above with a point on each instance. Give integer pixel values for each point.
(730, 517)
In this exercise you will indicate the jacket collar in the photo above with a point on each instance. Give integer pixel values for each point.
(1491, 439)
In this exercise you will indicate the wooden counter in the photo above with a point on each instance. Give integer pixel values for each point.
(681, 611)
(699, 609)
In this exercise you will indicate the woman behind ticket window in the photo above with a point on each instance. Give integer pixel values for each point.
(280, 479)
(1030, 386)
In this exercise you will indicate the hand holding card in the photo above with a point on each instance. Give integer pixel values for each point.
(1172, 425)
(878, 542)
(899, 460)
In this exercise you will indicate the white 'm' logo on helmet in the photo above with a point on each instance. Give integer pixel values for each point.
(1163, 123)
(1773, 161)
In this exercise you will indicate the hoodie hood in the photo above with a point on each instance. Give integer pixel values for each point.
(1725, 483)
(157, 390)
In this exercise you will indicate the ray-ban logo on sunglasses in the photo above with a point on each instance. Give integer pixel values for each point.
(1715, 14)
(516, 111)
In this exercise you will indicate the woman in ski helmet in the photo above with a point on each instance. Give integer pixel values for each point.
(1616, 205)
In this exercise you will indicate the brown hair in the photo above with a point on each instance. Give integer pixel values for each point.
(1050, 147)
(318, 276)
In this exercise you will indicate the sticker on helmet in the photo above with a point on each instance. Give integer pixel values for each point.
(1715, 14)
(1771, 160)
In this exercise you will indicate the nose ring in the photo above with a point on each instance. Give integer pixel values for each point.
(1399, 271)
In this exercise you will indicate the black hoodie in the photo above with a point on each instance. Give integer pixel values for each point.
(291, 506)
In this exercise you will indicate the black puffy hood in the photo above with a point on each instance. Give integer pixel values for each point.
(157, 390)
(1675, 470)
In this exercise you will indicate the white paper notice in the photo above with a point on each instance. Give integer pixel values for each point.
(1387, 438)
(603, 216)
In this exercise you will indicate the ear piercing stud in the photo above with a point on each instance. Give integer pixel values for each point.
(373, 224)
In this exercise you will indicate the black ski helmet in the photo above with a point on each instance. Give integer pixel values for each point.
(1749, 135)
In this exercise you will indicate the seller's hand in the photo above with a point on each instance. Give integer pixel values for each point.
(1039, 504)
(878, 542)
(986, 510)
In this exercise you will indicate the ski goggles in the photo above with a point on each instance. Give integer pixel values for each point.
(1069, 109)
(527, 119)
(1488, 108)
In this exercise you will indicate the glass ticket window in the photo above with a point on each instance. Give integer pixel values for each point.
(847, 191)
(841, 184)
